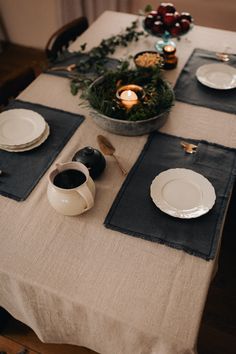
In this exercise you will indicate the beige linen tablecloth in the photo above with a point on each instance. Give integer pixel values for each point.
(74, 281)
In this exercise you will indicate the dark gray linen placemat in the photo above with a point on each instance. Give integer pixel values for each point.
(77, 58)
(189, 90)
(23, 170)
(134, 213)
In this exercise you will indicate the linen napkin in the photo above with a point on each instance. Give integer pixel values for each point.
(188, 89)
(134, 213)
(23, 170)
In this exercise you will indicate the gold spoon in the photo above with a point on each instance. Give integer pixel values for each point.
(108, 149)
(69, 68)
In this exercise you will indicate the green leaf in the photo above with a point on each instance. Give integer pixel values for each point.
(159, 96)
(73, 89)
(83, 46)
(148, 8)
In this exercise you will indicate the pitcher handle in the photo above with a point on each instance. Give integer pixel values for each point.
(86, 194)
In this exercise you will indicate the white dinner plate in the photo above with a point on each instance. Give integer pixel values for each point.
(182, 193)
(23, 146)
(217, 76)
(32, 146)
(19, 127)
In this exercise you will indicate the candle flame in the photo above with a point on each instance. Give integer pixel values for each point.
(128, 95)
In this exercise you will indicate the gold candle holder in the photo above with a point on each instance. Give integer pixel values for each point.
(130, 95)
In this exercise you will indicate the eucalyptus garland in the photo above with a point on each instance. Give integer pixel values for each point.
(95, 60)
(101, 96)
(159, 96)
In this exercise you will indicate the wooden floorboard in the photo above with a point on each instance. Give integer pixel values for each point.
(218, 330)
(9, 346)
(22, 336)
(214, 341)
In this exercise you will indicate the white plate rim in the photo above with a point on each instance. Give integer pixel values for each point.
(16, 116)
(201, 71)
(23, 146)
(207, 189)
(33, 145)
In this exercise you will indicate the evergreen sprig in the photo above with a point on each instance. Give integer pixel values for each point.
(95, 60)
(159, 96)
(101, 96)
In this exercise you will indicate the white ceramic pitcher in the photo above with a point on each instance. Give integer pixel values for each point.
(72, 199)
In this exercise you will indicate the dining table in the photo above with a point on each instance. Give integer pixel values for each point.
(74, 281)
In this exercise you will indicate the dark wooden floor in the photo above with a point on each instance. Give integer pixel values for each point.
(218, 329)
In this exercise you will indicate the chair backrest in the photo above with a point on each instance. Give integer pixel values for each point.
(13, 87)
(61, 39)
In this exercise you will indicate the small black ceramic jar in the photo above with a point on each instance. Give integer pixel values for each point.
(92, 159)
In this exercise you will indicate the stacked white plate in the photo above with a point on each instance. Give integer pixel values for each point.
(22, 130)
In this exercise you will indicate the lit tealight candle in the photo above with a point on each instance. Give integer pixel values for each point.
(130, 95)
(128, 98)
(169, 49)
(170, 59)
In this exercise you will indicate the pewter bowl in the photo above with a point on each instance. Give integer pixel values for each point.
(125, 127)
(129, 128)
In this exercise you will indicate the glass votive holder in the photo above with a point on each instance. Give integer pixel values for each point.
(170, 59)
(130, 95)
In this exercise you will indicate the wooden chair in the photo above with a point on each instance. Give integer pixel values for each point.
(61, 39)
(14, 85)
